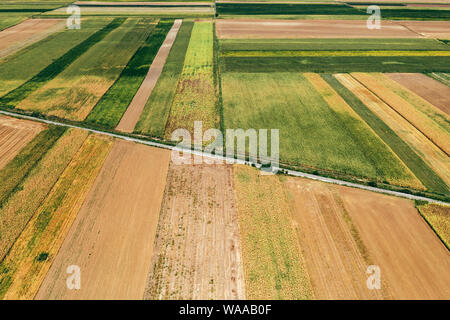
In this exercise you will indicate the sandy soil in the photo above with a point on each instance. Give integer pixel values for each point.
(134, 110)
(197, 250)
(430, 29)
(258, 29)
(26, 33)
(14, 135)
(335, 263)
(342, 230)
(112, 238)
(413, 261)
(438, 94)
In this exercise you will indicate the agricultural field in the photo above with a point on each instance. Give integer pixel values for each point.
(92, 180)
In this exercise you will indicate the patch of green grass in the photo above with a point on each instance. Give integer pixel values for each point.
(110, 108)
(414, 162)
(330, 44)
(284, 8)
(337, 64)
(18, 168)
(9, 19)
(11, 99)
(156, 111)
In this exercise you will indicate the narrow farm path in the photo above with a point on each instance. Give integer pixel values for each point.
(131, 116)
(295, 173)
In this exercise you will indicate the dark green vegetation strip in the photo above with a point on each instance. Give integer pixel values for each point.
(422, 64)
(416, 14)
(330, 44)
(11, 99)
(420, 169)
(114, 103)
(283, 8)
(154, 116)
(18, 168)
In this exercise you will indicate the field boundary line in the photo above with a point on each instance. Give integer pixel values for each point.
(290, 172)
(393, 109)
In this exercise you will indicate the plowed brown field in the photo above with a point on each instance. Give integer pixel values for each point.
(112, 238)
(197, 250)
(343, 230)
(27, 32)
(438, 94)
(430, 29)
(255, 29)
(14, 135)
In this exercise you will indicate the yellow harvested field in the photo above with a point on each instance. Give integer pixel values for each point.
(343, 230)
(438, 216)
(413, 261)
(197, 249)
(32, 254)
(14, 135)
(112, 237)
(433, 91)
(20, 207)
(338, 104)
(430, 121)
(335, 257)
(430, 153)
(274, 267)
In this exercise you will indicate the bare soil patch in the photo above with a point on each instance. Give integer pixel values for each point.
(26, 33)
(197, 249)
(282, 29)
(14, 135)
(134, 110)
(414, 263)
(429, 29)
(336, 264)
(342, 230)
(112, 238)
(435, 92)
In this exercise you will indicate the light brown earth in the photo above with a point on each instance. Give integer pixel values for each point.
(336, 263)
(338, 226)
(259, 29)
(112, 238)
(14, 135)
(414, 263)
(134, 110)
(435, 92)
(25, 33)
(197, 250)
(429, 29)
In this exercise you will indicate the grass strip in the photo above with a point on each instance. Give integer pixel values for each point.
(11, 99)
(17, 169)
(114, 103)
(156, 111)
(24, 268)
(420, 169)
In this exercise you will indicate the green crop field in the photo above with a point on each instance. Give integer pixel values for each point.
(272, 9)
(75, 91)
(156, 111)
(311, 133)
(227, 45)
(56, 66)
(9, 19)
(336, 64)
(110, 108)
